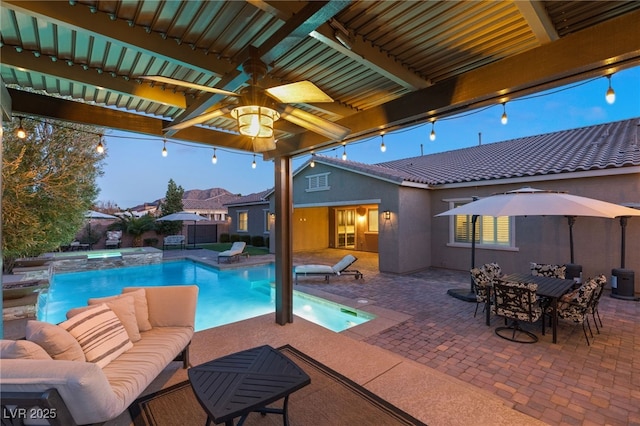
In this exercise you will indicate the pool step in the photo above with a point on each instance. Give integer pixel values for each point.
(262, 286)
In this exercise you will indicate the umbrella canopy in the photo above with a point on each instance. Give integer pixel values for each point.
(537, 202)
(92, 214)
(182, 216)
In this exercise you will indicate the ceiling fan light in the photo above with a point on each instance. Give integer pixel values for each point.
(255, 121)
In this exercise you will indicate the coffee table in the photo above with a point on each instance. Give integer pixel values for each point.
(247, 381)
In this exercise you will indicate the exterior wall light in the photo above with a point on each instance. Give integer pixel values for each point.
(387, 215)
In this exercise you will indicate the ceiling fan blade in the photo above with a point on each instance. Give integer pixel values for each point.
(199, 119)
(300, 92)
(167, 80)
(314, 123)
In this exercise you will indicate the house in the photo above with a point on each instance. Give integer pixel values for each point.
(250, 215)
(390, 207)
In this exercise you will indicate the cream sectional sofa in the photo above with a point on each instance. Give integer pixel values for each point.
(91, 393)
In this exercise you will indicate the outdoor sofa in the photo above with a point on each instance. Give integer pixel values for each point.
(173, 240)
(81, 384)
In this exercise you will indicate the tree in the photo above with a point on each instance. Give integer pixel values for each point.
(172, 204)
(48, 183)
(135, 226)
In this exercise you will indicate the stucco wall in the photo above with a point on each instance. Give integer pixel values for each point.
(597, 241)
(310, 229)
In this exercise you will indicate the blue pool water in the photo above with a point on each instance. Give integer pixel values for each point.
(224, 297)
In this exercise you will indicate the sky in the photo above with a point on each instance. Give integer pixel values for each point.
(136, 172)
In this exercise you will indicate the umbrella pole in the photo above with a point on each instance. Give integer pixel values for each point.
(571, 220)
(461, 293)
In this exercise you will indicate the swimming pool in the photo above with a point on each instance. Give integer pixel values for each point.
(224, 297)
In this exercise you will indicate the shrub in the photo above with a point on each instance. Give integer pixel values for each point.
(257, 241)
(150, 242)
(224, 238)
(234, 237)
(246, 238)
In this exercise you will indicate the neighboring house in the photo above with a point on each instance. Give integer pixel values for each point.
(250, 215)
(389, 207)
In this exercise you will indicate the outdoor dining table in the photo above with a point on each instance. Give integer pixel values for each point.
(550, 287)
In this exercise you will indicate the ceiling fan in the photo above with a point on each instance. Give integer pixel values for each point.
(258, 108)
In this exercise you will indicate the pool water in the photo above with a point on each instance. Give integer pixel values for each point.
(224, 296)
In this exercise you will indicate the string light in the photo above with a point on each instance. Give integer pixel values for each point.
(254, 165)
(504, 118)
(164, 148)
(214, 159)
(383, 147)
(611, 95)
(313, 162)
(344, 152)
(432, 135)
(100, 146)
(20, 132)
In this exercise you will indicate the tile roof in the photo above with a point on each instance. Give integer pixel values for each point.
(598, 147)
(255, 198)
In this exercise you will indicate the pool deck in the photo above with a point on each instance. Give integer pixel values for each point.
(427, 354)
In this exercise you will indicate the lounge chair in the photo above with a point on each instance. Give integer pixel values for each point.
(113, 239)
(339, 268)
(234, 253)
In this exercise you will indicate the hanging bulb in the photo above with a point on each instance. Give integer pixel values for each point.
(383, 147)
(100, 147)
(214, 159)
(254, 165)
(164, 149)
(611, 95)
(344, 152)
(20, 132)
(432, 135)
(313, 162)
(504, 118)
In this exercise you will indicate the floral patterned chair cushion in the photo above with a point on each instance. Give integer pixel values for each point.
(575, 304)
(547, 270)
(517, 300)
(481, 284)
(493, 270)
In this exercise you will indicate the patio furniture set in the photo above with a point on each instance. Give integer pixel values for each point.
(543, 293)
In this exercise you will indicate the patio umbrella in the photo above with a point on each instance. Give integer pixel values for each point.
(185, 216)
(92, 214)
(536, 202)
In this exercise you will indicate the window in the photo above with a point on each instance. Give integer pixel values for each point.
(492, 231)
(243, 221)
(372, 222)
(319, 182)
(267, 221)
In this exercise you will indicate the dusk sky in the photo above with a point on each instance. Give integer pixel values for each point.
(136, 172)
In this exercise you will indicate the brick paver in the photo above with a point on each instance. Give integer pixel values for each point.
(567, 383)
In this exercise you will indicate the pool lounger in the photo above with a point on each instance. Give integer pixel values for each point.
(339, 268)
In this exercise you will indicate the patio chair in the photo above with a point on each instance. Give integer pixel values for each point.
(339, 268)
(601, 280)
(575, 305)
(548, 270)
(517, 302)
(234, 253)
(481, 283)
(113, 239)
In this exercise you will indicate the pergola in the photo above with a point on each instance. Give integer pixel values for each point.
(385, 64)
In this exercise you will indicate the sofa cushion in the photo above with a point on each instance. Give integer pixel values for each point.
(139, 302)
(55, 340)
(21, 349)
(124, 309)
(100, 334)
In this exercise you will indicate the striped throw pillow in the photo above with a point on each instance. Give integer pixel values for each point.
(100, 334)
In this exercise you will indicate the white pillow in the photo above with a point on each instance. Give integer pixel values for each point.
(140, 305)
(22, 349)
(55, 340)
(100, 334)
(125, 310)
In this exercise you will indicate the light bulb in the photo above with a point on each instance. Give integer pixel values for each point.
(164, 149)
(100, 147)
(504, 118)
(214, 159)
(432, 135)
(344, 154)
(383, 147)
(312, 163)
(20, 132)
(254, 126)
(254, 165)
(611, 95)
